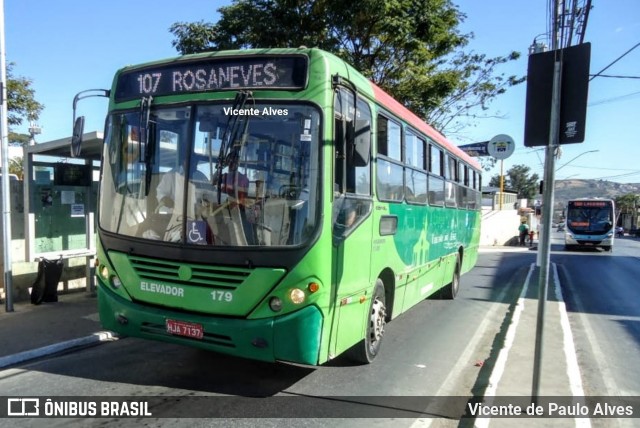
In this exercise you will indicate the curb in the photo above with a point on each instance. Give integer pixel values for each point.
(95, 338)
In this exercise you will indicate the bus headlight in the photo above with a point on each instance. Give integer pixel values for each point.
(297, 296)
(104, 272)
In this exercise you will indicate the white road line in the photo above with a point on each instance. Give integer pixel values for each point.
(471, 348)
(92, 317)
(601, 360)
(573, 369)
(501, 361)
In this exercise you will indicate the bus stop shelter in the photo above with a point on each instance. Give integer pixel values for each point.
(60, 197)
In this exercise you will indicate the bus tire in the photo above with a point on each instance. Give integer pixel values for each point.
(450, 291)
(367, 349)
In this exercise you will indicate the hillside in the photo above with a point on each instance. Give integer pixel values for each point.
(571, 189)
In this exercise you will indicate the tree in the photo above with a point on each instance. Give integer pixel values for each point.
(487, 162)
(410, 48)
(628, 205)
(518, 178)
(21, 104)
(15, 167)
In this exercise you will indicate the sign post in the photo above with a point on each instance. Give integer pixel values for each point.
(501, 147)
(4, 142)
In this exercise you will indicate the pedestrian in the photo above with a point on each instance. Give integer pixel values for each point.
(524, 231)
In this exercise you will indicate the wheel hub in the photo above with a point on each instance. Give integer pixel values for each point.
(378, 314)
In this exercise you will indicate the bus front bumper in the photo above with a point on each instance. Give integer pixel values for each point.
(570, 239)
(292, 337)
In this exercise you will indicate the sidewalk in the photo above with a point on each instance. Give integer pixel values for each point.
(32, 331)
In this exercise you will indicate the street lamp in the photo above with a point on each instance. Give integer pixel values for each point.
(567, 163)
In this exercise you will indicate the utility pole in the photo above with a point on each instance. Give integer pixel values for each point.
(6, 201)
(544, 247)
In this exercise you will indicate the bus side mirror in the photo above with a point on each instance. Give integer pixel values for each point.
(76, 137)
(361, 140)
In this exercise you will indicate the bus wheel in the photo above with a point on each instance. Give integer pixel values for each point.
(450, 291)
(367, 350)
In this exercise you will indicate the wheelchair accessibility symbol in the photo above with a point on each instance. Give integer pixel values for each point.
(197, 232)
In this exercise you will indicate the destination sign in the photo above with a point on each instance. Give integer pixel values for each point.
(587, 204)
(214, 74)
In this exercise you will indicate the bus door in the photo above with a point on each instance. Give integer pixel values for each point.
(351, 220)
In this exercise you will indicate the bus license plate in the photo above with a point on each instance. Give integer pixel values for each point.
(183, 328)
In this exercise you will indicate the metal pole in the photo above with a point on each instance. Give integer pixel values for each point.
(501, 184)
(544, 246)
(6, 201)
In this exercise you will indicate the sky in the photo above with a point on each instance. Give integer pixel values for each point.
(68, 46)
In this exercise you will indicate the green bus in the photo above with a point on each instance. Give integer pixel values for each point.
(273, 204)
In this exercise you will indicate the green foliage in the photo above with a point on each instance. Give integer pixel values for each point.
(21, 102)
(191, 37)
(487, 162)
(627, 203)
(19, 139)
(15, 167)
(519, 179)
(410, 48)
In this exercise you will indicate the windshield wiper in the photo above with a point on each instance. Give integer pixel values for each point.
(229, 136)
(149, 148)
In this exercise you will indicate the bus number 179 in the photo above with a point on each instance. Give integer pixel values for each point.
(221, 296)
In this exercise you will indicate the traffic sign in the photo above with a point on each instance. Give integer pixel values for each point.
(501, 146)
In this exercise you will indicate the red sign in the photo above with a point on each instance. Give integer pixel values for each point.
(588, 203)
(579, 223)
(183, 328)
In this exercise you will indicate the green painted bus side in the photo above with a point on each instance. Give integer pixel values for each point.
(426, 250)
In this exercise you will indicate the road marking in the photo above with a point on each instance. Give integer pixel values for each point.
(92, 317)
(447, 387)
(501, 361)
(610, 386)
(573, 369)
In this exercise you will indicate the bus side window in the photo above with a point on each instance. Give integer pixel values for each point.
(352, 186)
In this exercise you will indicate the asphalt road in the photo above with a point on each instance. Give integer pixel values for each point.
(430, 351)
(436, 349)
(602, 293)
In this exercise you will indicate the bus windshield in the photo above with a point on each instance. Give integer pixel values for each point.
(175, 185)
(590, 217)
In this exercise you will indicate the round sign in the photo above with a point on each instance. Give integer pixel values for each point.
(501, 146)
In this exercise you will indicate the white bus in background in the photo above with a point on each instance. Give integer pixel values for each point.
(590, 223)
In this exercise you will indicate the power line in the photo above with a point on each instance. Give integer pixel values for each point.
(630, 174)
(616, 77)
(609, 100)
(616, 60)
(605, 169)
